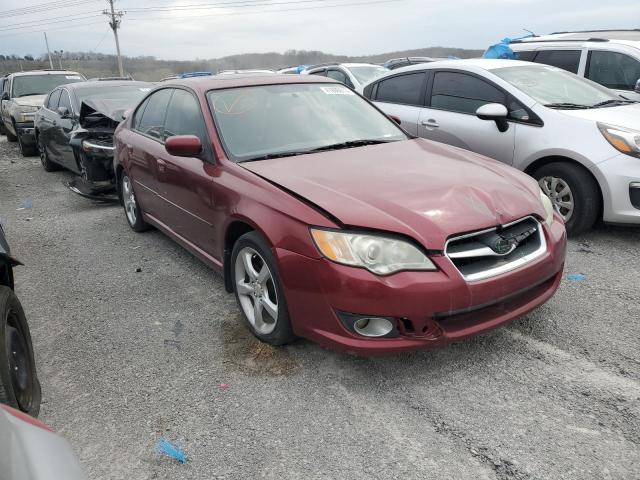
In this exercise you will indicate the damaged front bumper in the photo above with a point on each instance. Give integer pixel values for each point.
(26, 132)
(94, 151)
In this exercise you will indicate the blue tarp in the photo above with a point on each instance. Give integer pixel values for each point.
(503, 50)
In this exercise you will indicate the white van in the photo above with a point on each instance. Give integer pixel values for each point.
(610, 58)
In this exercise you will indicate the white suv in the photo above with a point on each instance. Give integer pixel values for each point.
(610, 58)
(580, 140)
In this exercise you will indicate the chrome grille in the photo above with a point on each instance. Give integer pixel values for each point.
(497, 250)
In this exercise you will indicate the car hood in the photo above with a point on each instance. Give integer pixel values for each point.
(426, 190)
(623, 116)
(31, 100)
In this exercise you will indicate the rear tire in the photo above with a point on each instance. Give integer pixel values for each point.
(583, 194)
(259, 292)
(19, 384)
(132, 209)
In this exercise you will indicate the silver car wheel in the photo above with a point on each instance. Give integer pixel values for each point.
(256, 290)
(129, 199)
(560, 194)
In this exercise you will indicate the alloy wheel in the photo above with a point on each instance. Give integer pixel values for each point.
(559, 192)
(256, 290)
(129, 199)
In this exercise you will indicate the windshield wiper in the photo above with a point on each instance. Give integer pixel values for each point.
(351, 144)
(270, 156)
(612, 103)
(573, 106)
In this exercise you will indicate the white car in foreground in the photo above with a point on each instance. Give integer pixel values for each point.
(580, 140)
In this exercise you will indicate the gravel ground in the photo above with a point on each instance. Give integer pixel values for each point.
(126, 357)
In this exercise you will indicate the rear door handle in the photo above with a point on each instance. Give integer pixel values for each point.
(431, 123)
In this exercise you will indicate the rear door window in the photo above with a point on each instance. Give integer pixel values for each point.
(613, 70)
(403, 89)
(566, 59)
(459, 92)
(65, 101)
(152, 121)
(526, 56)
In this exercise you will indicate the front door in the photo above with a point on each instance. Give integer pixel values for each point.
(186, 183)
(450, 117)
(61, 134)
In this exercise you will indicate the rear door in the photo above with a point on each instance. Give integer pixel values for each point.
(402, 96)
(450, 115)
(570, 59)
(145, 146)
(186, 183)
(615, 70)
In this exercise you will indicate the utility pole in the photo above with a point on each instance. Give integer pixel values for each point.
(114, 23)
(48, 51)
(58, 53)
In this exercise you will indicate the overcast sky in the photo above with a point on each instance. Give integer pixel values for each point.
(350, 27)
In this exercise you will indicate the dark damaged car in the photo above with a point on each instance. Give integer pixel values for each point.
(74, 130)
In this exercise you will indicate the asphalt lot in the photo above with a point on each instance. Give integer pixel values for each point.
(126, 357)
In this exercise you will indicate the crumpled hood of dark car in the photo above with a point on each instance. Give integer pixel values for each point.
(109, 108)
(426, 190)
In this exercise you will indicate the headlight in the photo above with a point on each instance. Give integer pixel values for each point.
(548, 208)
(622, 139)
(379, 255)
(26, 113)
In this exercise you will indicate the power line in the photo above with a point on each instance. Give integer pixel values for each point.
(43, 7)
(199, 6)
(44, 23)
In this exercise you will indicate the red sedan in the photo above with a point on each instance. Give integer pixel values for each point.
(328, 221)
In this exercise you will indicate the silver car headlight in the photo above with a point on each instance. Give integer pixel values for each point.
(26, 113)
(548, 208)
(625, 140)
(378, 254)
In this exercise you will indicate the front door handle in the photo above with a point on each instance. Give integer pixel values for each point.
(431, 123)
(54, 122)
(162, 165)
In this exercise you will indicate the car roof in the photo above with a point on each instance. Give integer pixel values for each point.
(586, 35)
(204, 84)
(44, 72)
(105, 83)
(477, 63)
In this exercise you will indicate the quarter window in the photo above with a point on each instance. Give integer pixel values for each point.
(458, 92)
(526, 56)
(403, 89)
(566, 59)
(152, 120)
(613, 70)
(52, 104)
(184, 117)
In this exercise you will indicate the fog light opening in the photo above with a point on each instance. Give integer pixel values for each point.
(373, 327)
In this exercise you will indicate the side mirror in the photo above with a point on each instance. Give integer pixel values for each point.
(396, 119)
(127, 113)
(637, 87)
(5, 95)
(63, 112)
(183, 146)
(496, 112)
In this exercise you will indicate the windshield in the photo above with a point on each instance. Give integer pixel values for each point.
(122, 94)
(367, 73)
(41, 84)
(553, 86)
(276, 119)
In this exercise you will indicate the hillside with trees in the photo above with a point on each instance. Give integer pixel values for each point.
(150, 68)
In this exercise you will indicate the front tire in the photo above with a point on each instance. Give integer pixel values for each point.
(47, 164)
(258, 290)
(10, 136)
(573, 192)
(132, 209)
(26, 150)
(19, 384)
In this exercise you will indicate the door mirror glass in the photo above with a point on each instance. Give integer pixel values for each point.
(496, 112)
(5, 95)
(637, 87)
(183, 146)
(63, 112)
